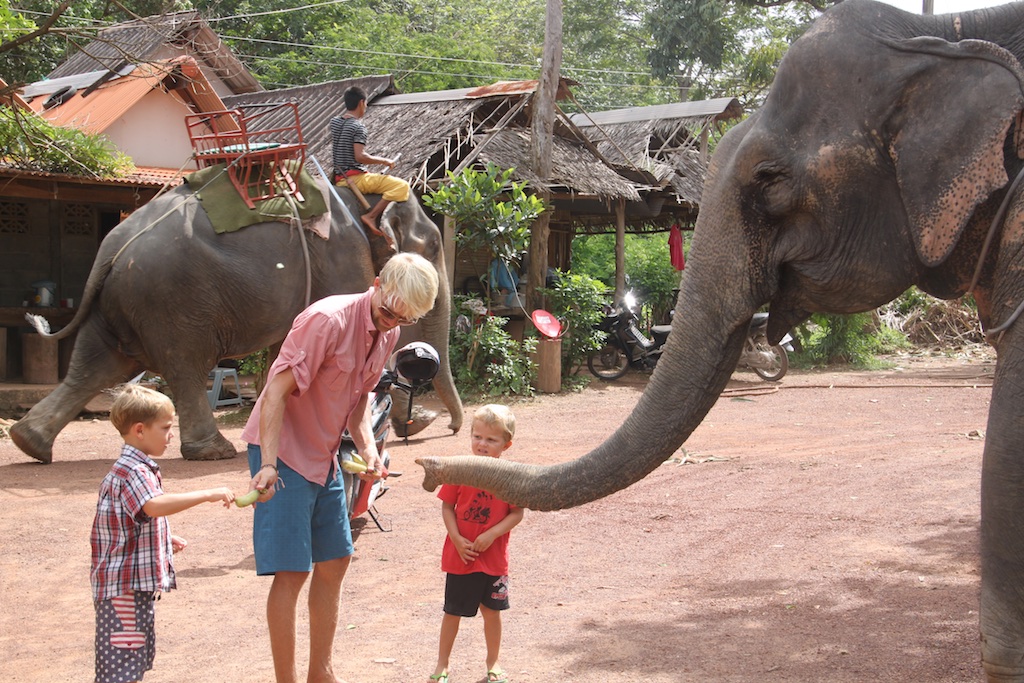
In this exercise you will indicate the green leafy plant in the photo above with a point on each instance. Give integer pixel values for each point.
(648, 265)
(485, 359)
(577, 300)
(29, 142)
(256, 364)
(491, 212)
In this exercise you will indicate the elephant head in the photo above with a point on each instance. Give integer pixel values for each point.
(879, 160)
(407, 227)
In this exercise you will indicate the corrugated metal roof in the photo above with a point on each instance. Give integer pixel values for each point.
(317, 103)
(96, 110)
(144, 39)
(722, 107)
(143, 177)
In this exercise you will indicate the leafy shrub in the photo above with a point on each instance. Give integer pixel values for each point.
(29, 142)
(577, 301)
(484, 357)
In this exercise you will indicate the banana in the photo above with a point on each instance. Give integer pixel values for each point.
(353, 467)
(249, 498)
(358, 459)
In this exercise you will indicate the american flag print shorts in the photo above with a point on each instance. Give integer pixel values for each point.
(125, 637)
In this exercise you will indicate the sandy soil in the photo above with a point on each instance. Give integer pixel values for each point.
(822, 530)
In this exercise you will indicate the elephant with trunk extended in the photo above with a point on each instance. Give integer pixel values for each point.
(885, 156)
(169, 295)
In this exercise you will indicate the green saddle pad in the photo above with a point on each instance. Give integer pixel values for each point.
(229, 212)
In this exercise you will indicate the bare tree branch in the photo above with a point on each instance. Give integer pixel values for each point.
(44, 28)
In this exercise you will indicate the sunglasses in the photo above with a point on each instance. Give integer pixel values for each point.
(391, 315)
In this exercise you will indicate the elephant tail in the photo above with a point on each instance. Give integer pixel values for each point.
(97, 277)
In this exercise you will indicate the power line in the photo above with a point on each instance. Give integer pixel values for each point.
(375, 53)
(278, 11)
(485, 78)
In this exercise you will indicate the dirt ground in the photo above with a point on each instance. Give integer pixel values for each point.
(825, 530)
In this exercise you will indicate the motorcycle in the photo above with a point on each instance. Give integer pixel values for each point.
(770, 362)
(413, 366)
(627, 346)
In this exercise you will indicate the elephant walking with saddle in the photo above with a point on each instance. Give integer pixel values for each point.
(887, 154)
(170, 295)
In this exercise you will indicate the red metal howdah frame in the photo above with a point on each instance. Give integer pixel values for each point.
(256, 161)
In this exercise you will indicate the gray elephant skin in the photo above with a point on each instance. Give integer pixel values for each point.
(880, 159)
(168, 295)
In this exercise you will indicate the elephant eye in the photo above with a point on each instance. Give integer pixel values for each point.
(773, 188)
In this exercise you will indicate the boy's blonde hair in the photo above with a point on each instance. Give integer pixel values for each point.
(411, 278)
(135, 403)
(496, 415)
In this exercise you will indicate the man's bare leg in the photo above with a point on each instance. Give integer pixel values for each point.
(281, 606)
(324, 603)
(371, 217)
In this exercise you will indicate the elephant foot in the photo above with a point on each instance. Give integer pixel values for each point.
(431, 472)
(218, 448)
(32, 443)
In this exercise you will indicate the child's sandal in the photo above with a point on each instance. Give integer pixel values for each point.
(440, 678)
(496, 676)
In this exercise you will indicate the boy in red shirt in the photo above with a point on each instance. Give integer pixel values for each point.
(475, 553)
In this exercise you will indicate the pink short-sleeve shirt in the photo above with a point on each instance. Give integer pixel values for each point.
(332, 354)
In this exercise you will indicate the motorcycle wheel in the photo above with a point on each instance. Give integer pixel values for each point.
(779, 366)
(608, 363)
(350, 482)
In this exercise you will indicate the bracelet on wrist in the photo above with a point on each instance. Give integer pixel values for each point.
(269, 464)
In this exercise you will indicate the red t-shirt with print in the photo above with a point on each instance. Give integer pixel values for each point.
(476, 511)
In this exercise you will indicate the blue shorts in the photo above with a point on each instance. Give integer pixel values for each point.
(302, 524)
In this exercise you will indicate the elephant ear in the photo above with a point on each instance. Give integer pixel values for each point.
(950, 126)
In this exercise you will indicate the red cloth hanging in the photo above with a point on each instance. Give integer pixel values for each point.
(675, 248)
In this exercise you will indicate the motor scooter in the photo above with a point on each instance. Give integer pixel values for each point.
(627, 346)
(769, 361)
(412, 367)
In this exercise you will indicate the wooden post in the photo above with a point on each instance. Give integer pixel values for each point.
(39, 359)
(620, 250)
(542, 133)
(549, 365)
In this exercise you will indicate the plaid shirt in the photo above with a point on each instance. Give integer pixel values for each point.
(131, 551)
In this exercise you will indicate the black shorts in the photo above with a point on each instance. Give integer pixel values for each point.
(464, 593)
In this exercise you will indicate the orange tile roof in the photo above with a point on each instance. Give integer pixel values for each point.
(95, 111)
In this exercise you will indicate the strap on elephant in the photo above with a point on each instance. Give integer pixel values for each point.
(297, 224)
(997, 222)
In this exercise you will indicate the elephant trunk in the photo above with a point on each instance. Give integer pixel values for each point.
(437, 327)
(699, 359)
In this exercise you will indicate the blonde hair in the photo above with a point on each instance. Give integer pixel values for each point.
(411, 279)
(135, 403)
(496, 415)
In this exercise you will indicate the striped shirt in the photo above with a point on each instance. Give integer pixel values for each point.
(131, 551)
(346, 132)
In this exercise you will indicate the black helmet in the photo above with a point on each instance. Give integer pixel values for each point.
(417, 361)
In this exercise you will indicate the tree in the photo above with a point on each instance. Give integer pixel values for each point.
(722, 47)
(483, 219)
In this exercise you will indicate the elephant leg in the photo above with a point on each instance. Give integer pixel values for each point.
(94, 367)
(200, 438)
(1002, 528)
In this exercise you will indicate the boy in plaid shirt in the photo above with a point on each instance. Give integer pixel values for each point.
(131, 539)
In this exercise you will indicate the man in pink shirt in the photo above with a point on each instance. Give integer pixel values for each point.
(318, 386)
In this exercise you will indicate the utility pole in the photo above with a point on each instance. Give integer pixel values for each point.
(542, 135)
(927, 6)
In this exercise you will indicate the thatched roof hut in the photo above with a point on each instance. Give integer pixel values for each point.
(664, 146)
